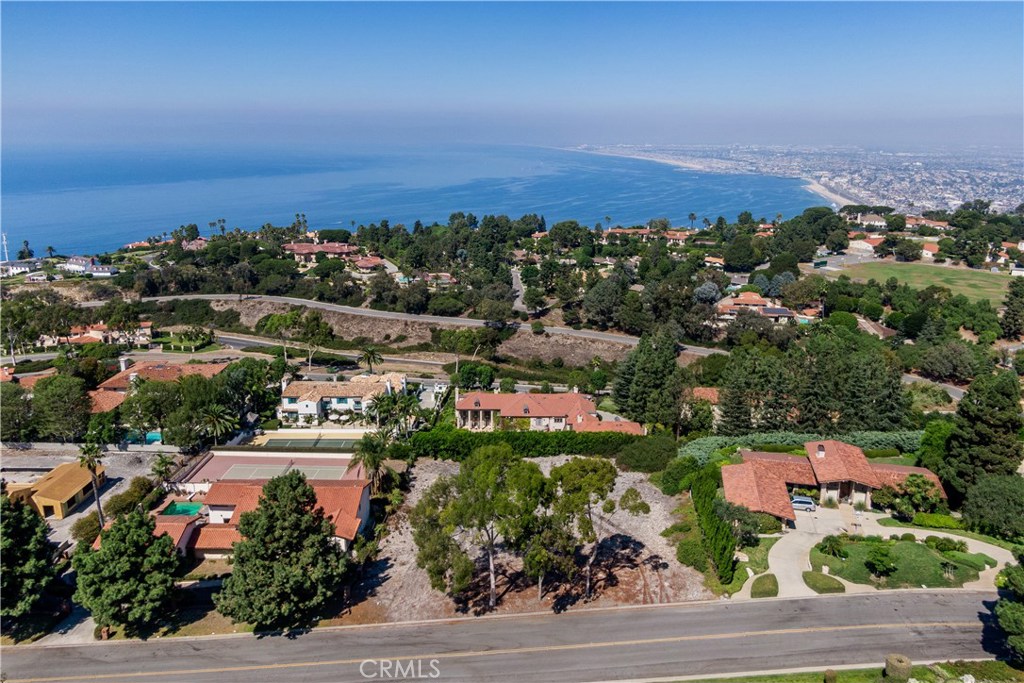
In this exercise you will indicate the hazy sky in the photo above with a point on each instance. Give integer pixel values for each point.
(885, 74)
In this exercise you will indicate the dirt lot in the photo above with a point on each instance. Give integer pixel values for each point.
(636, 565)
(573, 350)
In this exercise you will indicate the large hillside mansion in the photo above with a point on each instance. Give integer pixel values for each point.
(308, 402)
(484, 412)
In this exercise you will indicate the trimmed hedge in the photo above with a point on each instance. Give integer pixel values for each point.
(934, 520)
(648, 455)
(719, 541)
(704, 448)
(764, 586)
(448, 443)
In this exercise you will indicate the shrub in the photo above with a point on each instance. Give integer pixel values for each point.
(831, 502)
(879, 560)
(945, 545)
(908, 537)
(764, 586)
(652, 454)
(767, 524)
(86, 529)
(448, 443)
(676, 477)
(717, 534)
(537, 327)
(934, 520)
(125, 502)
(882, 452)
(271, 425)
(691, 553)
(832, 546)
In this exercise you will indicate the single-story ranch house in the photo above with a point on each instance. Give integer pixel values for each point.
(839, 471)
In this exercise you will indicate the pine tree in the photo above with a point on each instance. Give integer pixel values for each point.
(1013, 316)
(985, 434)
(622, 389)
(27, 566)
(129, 581)
(737, 417)
(287, 565)
(773, 390)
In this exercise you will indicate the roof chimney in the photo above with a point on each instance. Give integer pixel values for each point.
(821, 450)
(122, 363)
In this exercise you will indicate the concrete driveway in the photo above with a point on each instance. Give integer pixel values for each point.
(789, 558)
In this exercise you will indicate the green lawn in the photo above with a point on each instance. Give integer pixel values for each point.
(974, 284)
(917, 565)
(935, 673)
(758, 563)
(998, 542)
(823, 583)
(764, 586)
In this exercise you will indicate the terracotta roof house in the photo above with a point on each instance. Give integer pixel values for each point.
(161, 372)
(346, 502)
(181, 529)
(29, 382)
(367, 264)
(213, 541)
(714, 262)
(709, 394)
(311, 401)
(840, 471)
(105, 401)
(305, 252)
(481, 411)
(643, 234)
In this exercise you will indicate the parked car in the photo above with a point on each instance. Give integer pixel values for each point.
(804, 503)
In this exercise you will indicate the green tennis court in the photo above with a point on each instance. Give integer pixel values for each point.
(312, 472)
(347, 445)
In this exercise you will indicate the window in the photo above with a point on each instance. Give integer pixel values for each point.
(559, 420)
(290, 401)
(47, 511)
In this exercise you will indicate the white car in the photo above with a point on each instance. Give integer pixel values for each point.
(804, 503)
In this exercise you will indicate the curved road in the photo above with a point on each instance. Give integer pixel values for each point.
(587, 645)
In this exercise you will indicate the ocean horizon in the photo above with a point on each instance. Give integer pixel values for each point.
(95, 201)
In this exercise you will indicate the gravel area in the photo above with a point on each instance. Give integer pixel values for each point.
(636, 564)
(121, 468)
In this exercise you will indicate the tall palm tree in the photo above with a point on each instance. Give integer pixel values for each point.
(50, 251)
(91, 457)
(707, 222)
(371, 453)
(162, 467)
(216, 421)
(407, 409)
(369, 356)
(692, 217)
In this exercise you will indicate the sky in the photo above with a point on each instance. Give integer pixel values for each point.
(322, 74)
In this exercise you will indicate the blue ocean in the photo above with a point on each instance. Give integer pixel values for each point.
(91, 201)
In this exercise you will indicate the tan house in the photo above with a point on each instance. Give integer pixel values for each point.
(59, 491)
(481, 411)
(304, 401)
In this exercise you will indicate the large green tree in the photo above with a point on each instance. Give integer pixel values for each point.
(995, 506)
(1013, 314)
(1010, 610)
(287, 565)
(15, 413)
(985, 434)
(129, 581)
(493, 497)
(27, 566)
(61, 407)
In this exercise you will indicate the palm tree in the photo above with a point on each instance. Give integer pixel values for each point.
(407, 409)
(50, 251)
(371, 453)
(692, 217)
(91, 458)
(162, 467)
(707, 223)
(216, 421)
(369, 356)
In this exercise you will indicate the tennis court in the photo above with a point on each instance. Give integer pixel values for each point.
(312, 472)
(319, 442)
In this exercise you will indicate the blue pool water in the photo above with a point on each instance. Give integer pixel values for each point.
(82, 202)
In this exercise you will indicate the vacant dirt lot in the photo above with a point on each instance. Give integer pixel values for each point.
(573, 350)
(636, 565)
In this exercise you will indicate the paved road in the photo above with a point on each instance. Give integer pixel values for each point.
(598, 645)
(518, 290)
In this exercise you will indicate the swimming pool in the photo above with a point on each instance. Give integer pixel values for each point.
(179, 508)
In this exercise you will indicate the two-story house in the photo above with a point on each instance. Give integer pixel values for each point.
(484, 412)
(307, 402)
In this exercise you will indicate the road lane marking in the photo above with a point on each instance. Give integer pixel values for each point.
(494, 653)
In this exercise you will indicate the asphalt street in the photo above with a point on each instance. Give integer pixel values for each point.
(585, 645)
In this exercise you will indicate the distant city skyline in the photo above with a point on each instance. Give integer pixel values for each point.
(316, 74)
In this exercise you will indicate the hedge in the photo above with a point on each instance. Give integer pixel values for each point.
(934, 520)
(447, 443)
(719, 541)
(703, 448)
(649, 455)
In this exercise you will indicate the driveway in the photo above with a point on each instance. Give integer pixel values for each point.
(789, 558)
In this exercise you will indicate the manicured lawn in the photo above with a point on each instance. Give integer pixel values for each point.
(935, 673)
(974, 284)
(764, 586)
(916, 565)
(758, 563)
(1012, 547)
(822, 583)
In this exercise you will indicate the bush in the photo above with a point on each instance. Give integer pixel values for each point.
(271, 425)
(832, 546)
(448, 443)
(86, 529)
(767, 524)
(125, 502)
(879, 560)
(676, 477)
(651, 454)
(934, 520)
(764, 586)
(908, 537)
(945, 545)
(691, 553)
(882, 452)
(823, 583)
(537, 327)
(995, 506)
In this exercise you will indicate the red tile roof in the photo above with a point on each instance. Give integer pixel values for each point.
(593, 424)
(105, 401)
(214, 537)
(757, 486)
(6, 374)
(709, 394)
(28, 382)
(793, 469)
(162, 372)
(175, 526)
(527, 405)
(896, 475)
(838, 461)
(326, 247)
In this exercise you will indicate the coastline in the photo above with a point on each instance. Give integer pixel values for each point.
(811, 185)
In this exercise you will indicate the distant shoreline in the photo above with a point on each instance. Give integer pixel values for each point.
(810, 185)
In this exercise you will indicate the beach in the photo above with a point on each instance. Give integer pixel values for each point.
(834, 197)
